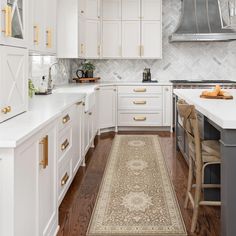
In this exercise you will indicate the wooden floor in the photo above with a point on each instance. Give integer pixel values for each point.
(77, 206)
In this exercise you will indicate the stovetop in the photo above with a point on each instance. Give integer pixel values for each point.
(203, 82)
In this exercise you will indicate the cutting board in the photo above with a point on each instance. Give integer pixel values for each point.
(217, 97)
(86, 80)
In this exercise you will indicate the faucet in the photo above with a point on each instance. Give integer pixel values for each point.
(50, 87)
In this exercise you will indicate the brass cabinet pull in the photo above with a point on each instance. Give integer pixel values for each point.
(66, 119)
(6, 110)
(97, 89)
(141, 50)
(44, 143)
(36, 34)
(140, 90)
(49, 38)
(65, 145)
(8, 23)
(99, 50)
(140, 118)
(64, 179)
(82, 48)
(140, 102)
(90, 113)
(79, 103)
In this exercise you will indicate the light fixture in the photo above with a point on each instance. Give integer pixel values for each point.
(228, 13)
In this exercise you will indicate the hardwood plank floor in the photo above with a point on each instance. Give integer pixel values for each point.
(77, 206)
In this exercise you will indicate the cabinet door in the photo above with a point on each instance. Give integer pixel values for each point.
(151, 39)
(82, 28)
(107, 107)
(13, 81)
(151, 9)
(50, 26)
(111, 39)
(167, 105)
(131, 39)
(111, 9)
(36, 25)
(92, 9)
(77, 137)
(14, 19)
(92, 39)
(47, 182)
(131, 10)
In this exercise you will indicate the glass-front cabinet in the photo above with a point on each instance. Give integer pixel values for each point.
(13, 23)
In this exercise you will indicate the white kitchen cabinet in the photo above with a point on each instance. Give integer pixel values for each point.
(151, 10)
(111, 10)
(42, 27)
(92, 39)
(107, 107)
(131, 9)
(92, 11)
(151, 39)
(77, 136)
(131, 39)
(111, 39)
(13, 21)
(29, 181)
(167, 105)
(13, 81)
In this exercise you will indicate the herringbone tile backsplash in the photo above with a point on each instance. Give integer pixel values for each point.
(213, 60)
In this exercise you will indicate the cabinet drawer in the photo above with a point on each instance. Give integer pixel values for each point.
(140, 89)
(64, 143)
(66, 118)
(140, 119)
(140, 103)
(64, 179)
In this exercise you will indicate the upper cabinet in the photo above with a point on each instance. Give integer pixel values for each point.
(110, 29)
(13, 22)
(151, 10)
(131, 10)
(42, 26)
(111, 9)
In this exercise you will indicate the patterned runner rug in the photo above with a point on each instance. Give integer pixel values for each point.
(136, 196)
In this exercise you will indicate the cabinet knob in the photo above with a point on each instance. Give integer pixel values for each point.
(114, 90)
(90, 113)
(166, 89)
(6, 110)
(82, 12)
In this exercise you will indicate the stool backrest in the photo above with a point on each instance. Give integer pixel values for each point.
(188, 116)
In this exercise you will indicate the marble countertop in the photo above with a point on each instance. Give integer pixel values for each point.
(221, 112)
(42, 111)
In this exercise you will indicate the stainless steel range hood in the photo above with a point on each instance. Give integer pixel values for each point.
(201, 21)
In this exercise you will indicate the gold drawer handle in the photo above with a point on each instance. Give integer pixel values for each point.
(140, 90)
(36, 34)
(140, 118)
(44, 161)
(6, 110)
(64, 179)
(65, 119)
(8, 21)
(65, 145)
(49, 38)
(140, 102)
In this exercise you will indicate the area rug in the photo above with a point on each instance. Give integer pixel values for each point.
(136, 196)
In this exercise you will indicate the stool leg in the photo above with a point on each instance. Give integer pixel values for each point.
(190, 181)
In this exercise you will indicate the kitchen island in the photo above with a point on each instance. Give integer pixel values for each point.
(221, 114)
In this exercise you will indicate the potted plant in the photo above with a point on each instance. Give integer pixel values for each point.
(88, 68)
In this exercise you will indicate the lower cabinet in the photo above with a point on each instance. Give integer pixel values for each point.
(107, 107)
(29, 200)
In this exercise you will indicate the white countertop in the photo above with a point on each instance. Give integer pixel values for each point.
(42, 111)
(221, 112)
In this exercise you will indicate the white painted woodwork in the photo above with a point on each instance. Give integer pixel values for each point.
(18, 33)
(148, 102)
(131, 39)
(151, 10)
(131, 9)
(151, 39)
(167, 106)
(92, 39)
(107, 107)
(29, 189)
(126, 118)
(13, 81)
(111, 39)
(92, 11)
(111, 9)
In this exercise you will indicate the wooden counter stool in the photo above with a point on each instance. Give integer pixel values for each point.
(201, 154)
